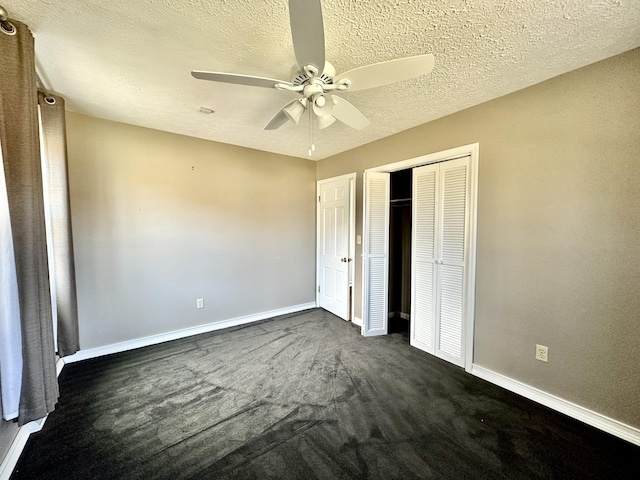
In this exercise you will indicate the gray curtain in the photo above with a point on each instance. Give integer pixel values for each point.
(21, 154)
(55, 158)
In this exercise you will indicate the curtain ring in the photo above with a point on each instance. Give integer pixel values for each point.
(50, 100)
(7, 27)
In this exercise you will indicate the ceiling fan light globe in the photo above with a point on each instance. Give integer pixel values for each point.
(322, 107)
(294, 111)
(325, 121)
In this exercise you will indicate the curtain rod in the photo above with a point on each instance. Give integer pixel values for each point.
(41, 86)
(7, 27)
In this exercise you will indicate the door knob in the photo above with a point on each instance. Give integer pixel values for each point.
(343, 259)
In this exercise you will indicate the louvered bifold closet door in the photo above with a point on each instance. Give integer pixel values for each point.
(376, 253)
(453, 234)
(423, 273)
(440, 232)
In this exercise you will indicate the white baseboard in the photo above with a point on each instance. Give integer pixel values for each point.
(357, 321)
(186, 332)
(597, 420)
(11, 458)
(15, 450)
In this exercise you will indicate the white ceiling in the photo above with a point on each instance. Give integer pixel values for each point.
(130, 61)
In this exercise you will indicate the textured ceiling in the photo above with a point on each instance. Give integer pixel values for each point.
(131, 61)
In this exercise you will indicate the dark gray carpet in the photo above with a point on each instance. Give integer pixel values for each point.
(304, 396)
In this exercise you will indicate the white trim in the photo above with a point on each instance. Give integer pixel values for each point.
(352, 235)
(59, 366)
(186, 332)
(595, 419)
(15, 450)
(352, 244)
(357, 321)
(17, 446)
(471, 149)
(470, 294)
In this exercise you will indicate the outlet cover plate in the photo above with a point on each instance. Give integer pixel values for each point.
(542, 353)
(200, 303)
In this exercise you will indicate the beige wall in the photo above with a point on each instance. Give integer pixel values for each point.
(558, 257)
(162, 219)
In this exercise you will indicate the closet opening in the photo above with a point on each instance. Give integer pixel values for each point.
(400, 252)
(419, 251)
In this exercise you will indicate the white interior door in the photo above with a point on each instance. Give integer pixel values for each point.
(440, 259)
(334, 253)
(376, 253)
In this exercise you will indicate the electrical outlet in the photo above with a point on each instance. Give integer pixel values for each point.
(200, 303)
(542, 353)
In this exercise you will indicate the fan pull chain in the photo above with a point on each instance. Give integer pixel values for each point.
(312, 145)
(309, 132)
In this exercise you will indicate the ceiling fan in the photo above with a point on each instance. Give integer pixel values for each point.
(315, 79)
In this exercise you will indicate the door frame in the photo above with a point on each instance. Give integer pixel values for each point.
(472, 150)
(352, 237)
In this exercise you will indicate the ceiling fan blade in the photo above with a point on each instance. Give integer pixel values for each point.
(237, 79)
(348, 114)
(384, 73)
(281, 117)
(307, 32)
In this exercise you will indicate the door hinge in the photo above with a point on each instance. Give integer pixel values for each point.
(318, 198)
(318, 288)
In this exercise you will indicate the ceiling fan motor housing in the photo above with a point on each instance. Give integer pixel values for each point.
(299, 77)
